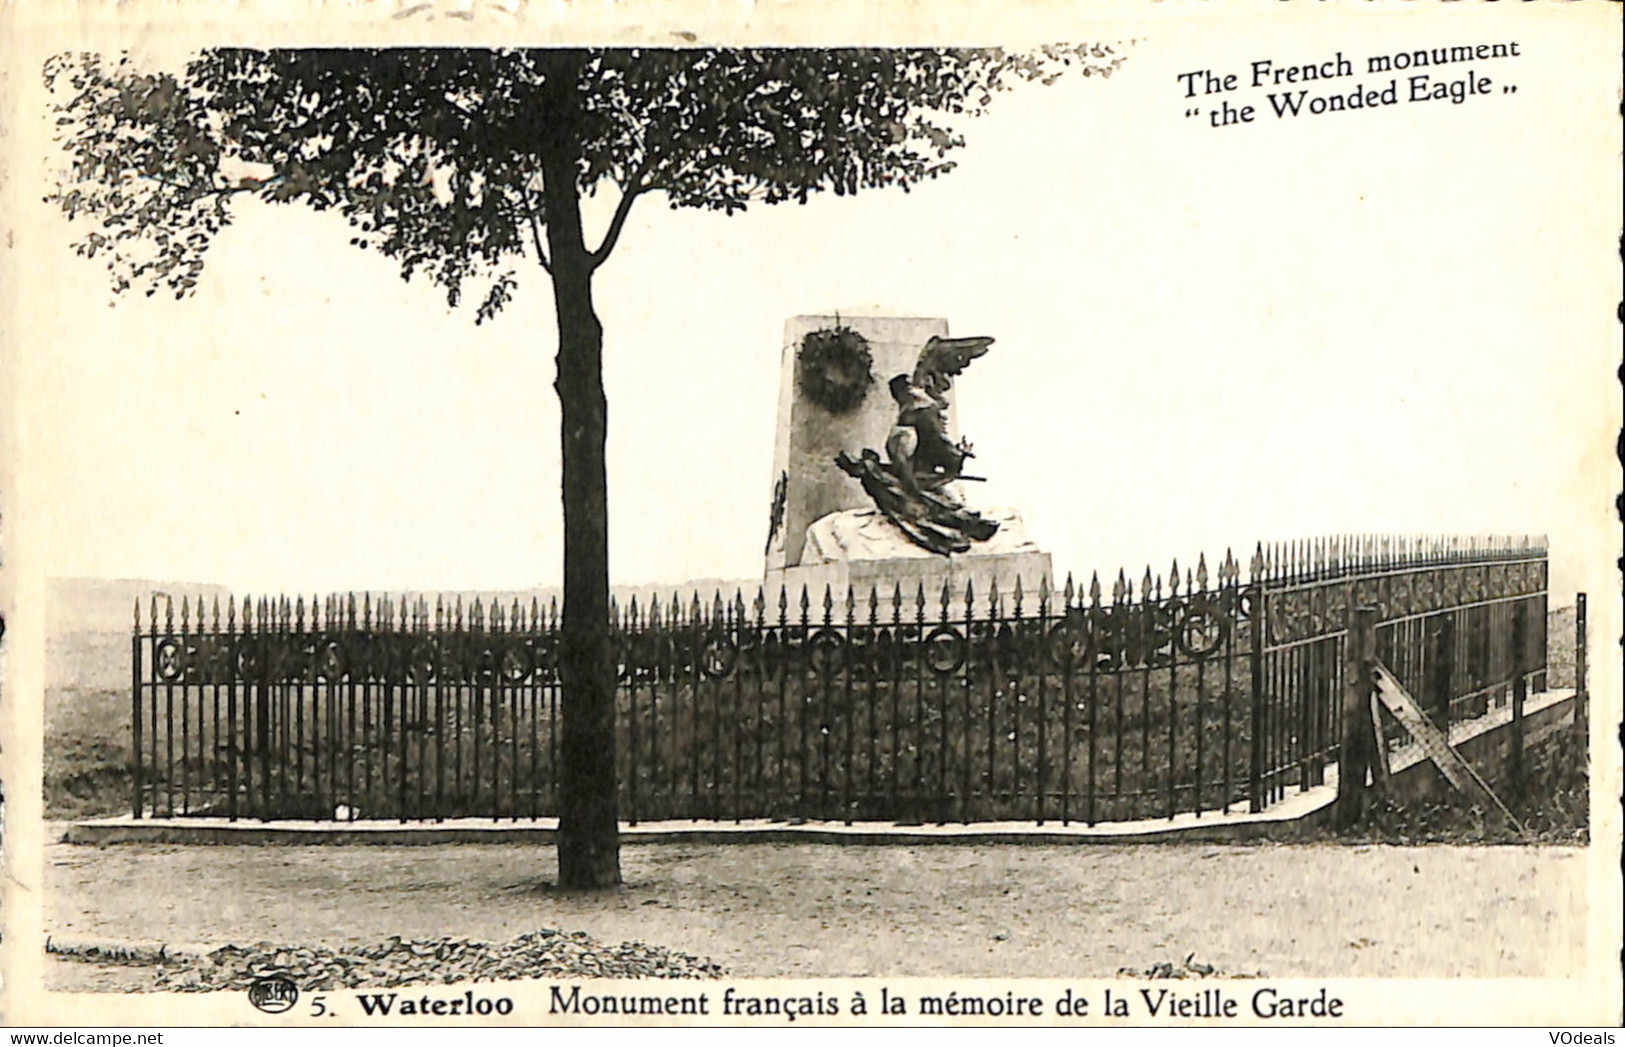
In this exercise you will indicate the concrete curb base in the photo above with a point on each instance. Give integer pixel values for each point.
(1296, 818)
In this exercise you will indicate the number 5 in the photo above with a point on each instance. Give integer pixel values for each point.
(317, 1006)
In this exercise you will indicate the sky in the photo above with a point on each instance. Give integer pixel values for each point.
(1390, 320)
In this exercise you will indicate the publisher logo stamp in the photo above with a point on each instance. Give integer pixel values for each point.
(273, 995)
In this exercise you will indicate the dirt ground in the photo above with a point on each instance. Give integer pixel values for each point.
(823, 910)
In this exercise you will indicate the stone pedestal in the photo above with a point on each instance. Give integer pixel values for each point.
(861, 549)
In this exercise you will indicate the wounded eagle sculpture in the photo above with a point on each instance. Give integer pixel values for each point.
(913, 486)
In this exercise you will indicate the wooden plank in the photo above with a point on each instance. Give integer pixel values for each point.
(1379, 762)
(1457, 771)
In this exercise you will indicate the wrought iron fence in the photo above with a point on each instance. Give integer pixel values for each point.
(1156, 698)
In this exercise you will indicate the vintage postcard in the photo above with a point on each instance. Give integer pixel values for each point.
(810, 514)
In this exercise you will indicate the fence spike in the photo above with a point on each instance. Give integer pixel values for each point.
(947, 597)
(806, 601)
(1145, 585)
(874, 604)
(897, 600)
(1173, 579)
(169, 614)
(919, 599)
(185, 617)
(216, 612)
(1043, 590)
(970, 598)
(1094, 587)
(760, 607)
(1017, 594)
(850, 603)
(1121, 587)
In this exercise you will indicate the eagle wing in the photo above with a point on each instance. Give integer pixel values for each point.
(948, 356)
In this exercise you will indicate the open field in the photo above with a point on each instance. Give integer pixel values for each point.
(827, 910)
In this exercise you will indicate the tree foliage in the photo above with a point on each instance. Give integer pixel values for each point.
(432, 154)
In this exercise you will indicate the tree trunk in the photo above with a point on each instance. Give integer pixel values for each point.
(589, 838)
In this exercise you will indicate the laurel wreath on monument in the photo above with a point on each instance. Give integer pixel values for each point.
(833, 369)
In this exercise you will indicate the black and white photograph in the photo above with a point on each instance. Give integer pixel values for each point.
(1067, 514)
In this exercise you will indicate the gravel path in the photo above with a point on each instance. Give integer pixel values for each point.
(768, 910)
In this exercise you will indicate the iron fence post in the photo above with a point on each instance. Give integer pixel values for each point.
(1520, 684)
(1255, 772)
(1358, 736)
(1581, 692)
(135, 715)
(1442, 665)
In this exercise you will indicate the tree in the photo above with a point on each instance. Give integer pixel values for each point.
(461, 164)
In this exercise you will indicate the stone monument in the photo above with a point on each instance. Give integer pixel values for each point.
(870, 470)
